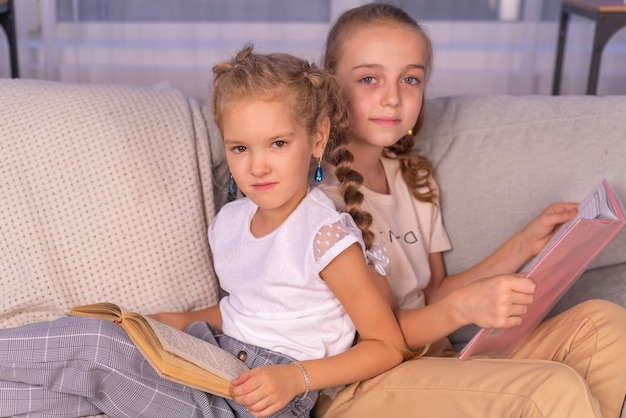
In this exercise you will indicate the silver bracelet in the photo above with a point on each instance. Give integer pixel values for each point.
(307, 381)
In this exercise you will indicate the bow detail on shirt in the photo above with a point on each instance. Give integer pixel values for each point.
(377, 256)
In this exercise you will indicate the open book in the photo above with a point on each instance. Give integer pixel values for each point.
(563, 260)
(175, 355)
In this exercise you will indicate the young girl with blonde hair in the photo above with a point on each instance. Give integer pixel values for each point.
(294, 269)
(572, 366)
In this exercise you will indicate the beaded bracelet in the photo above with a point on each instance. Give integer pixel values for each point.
(307, 381)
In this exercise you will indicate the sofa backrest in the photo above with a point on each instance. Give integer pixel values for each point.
(105, 195)
(500, 160)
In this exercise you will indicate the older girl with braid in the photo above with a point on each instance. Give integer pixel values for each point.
(573, 365)
(299, 286)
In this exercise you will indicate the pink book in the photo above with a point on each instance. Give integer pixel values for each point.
(563, 260)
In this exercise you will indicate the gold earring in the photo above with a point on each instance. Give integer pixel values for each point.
(410, 132)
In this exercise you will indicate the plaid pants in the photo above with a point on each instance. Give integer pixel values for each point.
(77, 366)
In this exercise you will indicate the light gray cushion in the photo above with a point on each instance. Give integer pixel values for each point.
(500, 160)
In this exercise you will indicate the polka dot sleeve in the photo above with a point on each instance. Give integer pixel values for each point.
(332, 239)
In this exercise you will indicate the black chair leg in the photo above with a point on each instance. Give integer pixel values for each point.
(606, 26)
(560, 50)
(8, 23)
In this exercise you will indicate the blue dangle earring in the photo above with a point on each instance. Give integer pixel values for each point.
(232, 189)
(318, 171)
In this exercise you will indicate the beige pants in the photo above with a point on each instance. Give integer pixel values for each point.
(573, 365)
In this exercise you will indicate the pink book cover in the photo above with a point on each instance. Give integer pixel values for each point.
(563, 260)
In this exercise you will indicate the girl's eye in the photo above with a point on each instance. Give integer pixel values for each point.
(367, 80)
(411, 80)
(279, 143)
(239, 149)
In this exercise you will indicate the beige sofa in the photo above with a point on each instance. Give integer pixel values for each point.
(106, 191)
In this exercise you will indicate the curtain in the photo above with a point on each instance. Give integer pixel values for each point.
(481, 46)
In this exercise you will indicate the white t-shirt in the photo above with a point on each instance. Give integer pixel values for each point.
(277, 298)
(409, 229)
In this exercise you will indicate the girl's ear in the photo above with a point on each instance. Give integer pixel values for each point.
(320, 138)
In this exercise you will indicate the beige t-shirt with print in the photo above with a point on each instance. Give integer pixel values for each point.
(407, 228)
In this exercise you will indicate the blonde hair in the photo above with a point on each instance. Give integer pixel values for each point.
(416, 169)
(310, 93)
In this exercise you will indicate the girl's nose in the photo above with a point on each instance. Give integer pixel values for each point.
(259, 164)
(391, 95)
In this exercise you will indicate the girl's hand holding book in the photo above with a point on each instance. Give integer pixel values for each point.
(495, 302)
(266, 389)
(539, 231)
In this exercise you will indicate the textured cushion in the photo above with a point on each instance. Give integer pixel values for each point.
(106, 194)
(500, 160)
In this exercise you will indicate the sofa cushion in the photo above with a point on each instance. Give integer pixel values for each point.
(500, 160)
(106, 194)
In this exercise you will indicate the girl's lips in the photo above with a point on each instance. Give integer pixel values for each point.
(387, 122)
(263, 186)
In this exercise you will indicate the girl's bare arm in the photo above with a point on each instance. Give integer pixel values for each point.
(181, 320)
(381, 343)
(493, 302)
(507, 259)
(264, 390)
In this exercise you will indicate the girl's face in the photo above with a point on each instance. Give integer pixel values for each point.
(269, 153)
(382, 71)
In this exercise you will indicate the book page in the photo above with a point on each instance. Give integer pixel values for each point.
(105, 310)
(202, 353)
(596, 205)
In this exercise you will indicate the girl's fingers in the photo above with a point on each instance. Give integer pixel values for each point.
(523, 285)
